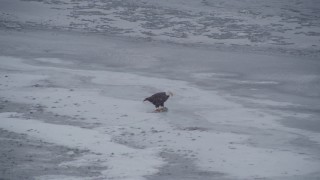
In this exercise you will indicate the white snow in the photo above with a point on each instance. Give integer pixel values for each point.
(121, 161)
(114, 101)
(238, 71)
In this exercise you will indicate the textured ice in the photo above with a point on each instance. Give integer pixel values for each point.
(245, 77)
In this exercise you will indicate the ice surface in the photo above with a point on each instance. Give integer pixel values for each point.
(90, 102)
(245, 77)
(122, 162)
(268, 24)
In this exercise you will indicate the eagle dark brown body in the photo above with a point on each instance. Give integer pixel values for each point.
(158, 99)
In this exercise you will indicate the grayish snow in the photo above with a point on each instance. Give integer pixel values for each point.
(245, 77)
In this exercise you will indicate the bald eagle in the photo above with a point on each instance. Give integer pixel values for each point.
(158, 99)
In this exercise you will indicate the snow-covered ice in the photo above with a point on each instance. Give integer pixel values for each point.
(245, 78)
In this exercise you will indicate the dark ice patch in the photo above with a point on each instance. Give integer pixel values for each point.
(24, 158)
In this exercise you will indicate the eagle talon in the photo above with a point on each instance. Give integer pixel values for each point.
(160, 109)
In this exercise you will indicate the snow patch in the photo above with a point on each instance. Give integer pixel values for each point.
(121, 161)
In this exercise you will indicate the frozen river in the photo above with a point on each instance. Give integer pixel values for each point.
(245, 77)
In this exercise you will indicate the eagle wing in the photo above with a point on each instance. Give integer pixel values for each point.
(158, 99)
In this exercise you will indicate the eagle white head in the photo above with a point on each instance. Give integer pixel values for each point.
(169, 93)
